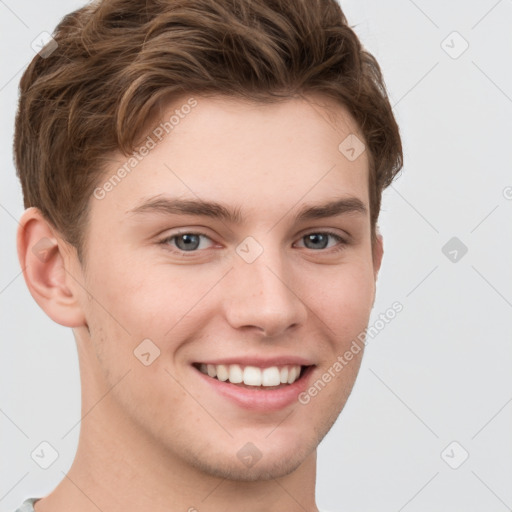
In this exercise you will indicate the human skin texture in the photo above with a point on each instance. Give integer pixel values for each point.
(163, 436)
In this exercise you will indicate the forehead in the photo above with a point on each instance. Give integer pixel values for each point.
(235, 151)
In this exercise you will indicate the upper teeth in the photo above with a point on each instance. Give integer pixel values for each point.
(252, 375)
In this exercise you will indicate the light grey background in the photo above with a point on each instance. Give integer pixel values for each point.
(440, 371)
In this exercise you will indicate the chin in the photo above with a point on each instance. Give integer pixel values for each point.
(278, 454)
(267, 468)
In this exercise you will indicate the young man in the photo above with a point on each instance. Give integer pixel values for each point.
(203, 182)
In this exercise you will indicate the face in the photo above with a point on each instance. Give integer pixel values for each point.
(219, 280)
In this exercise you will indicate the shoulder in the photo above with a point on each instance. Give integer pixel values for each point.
(27, 505)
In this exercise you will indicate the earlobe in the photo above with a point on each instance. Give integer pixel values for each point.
(45, 267)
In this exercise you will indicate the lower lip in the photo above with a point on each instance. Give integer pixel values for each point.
(260, 399)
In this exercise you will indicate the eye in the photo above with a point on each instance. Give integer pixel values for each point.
(320, 240)
(186, 242)
(191, 242)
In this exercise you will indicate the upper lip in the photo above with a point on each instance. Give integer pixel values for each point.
(261, 362)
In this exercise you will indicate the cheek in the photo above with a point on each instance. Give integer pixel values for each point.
(137, 297)
(134, 303)
(346, 301)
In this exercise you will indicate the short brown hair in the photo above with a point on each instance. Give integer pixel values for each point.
(116, 59)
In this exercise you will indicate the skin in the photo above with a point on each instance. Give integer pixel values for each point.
(156, 437)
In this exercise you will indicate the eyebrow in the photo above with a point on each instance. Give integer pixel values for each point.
(215, 210)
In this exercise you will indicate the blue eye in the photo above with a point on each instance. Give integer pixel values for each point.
(186, 242)
(190, 242)
(320, 240)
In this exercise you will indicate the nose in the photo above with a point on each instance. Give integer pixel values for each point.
(262, 295)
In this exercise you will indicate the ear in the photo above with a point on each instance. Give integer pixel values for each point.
(378, 252)
(48, 267)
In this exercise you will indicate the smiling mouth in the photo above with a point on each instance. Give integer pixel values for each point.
(254, 377)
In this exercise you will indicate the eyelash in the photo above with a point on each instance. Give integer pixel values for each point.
(342, 243)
